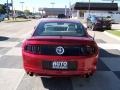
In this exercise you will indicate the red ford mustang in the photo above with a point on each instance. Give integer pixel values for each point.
(60, 47)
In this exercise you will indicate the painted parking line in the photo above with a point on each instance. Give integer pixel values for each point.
(111, 35)
(109, 46)
(101, 80)
(16, 51)
(8, 44)
(10, 78)
(32, 83)
(27, 35)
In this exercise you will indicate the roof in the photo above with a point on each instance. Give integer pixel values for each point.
(95, 6)
(59, 20)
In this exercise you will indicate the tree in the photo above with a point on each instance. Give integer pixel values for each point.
(2, 9)
(27, 12)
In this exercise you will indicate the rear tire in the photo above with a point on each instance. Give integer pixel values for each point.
(108, 28)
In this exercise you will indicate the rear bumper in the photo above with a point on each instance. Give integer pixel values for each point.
(33, 63)
(101, 27)
(59, 73)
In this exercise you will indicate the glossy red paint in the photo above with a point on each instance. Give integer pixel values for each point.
(85, 64)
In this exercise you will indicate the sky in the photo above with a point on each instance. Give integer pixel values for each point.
(35, 4)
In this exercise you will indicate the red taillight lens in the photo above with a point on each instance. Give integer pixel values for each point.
(85, 50)
(91, 49)
(32, 49)
(88, 50)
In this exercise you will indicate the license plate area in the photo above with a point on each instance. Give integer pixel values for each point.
(59, 65)
(104, 26)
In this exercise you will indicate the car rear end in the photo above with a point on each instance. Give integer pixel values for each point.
(93, 23)
(40, 56)
(60, 55)
(102, 23)
(107, 24)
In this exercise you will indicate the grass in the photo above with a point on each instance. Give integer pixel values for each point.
(17, 20)
(114, 32)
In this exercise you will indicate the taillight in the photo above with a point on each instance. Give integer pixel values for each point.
(81, 50)
(88, 50)
(33, 49)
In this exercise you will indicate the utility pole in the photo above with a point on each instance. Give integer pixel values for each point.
(12, 9)
(70, 11)
(52, 3)
(65, 10)
(41, 11)
(22, 5)
(7, 10)
(89, 8)
(33, 10)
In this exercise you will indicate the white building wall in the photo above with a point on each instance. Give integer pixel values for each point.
(74, 14)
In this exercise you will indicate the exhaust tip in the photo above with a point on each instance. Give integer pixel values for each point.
(30, 74)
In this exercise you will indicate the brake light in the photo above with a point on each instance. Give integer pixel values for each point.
(33, 49)
(91, 49)
(88, 50)
(85, 50)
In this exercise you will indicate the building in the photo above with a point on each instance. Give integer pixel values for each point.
(82, 9)
(53, 12)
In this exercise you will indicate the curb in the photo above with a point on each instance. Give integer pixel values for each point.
(16, 21)
(113, 36)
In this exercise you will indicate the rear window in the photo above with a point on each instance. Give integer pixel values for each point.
(59, 29)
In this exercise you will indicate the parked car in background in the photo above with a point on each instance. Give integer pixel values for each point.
(60, 47)
(98, 23)
(61, 16)
(2, 17)
(31, 16)
(22, 16)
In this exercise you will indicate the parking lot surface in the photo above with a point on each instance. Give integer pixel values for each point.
(13, 77)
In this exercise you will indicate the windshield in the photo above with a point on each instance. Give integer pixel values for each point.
(59, 28)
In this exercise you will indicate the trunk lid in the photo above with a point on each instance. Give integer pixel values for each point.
(61, 40)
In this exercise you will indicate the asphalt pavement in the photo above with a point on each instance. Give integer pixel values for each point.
(13, 77)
